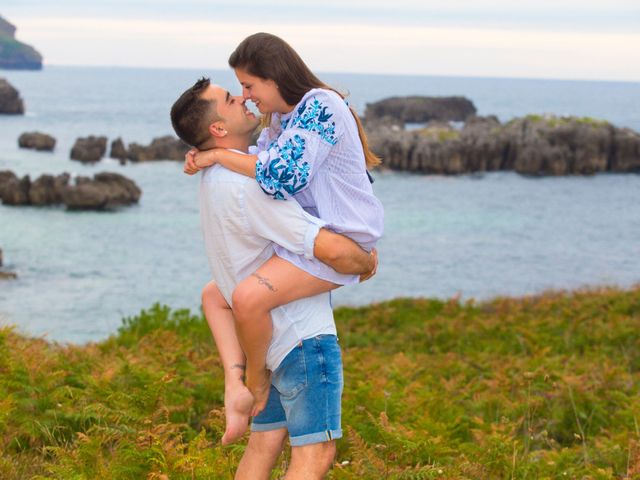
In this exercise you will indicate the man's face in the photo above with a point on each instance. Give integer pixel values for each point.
(236, 117)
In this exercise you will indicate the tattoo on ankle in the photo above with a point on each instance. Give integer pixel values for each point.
(242, 367)
(264, 281)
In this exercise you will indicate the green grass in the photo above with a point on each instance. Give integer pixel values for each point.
(528, 388)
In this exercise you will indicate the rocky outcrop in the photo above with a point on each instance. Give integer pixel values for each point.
(15, 55)
(37, 141)
(10, 101)
(89, 149)
(162, 148)
(118, 150)
(104, 191)
(625, 152)
(421, 109)
(15, 191)
(48, 189)
(533, 145)
(7, 29)
(6, 178)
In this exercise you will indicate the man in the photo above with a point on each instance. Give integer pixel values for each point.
(240, 224)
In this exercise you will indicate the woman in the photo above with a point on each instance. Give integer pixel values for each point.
(314, 150)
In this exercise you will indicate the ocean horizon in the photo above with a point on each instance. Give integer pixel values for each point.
(322, 73)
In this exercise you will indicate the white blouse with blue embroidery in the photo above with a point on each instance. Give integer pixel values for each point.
(314, 155)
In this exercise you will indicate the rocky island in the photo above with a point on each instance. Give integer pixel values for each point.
(530, 145)
(10, 101)
(105, 191)
(15, 55)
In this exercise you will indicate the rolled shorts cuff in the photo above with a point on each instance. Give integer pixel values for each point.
(267, 427)
(325, 436)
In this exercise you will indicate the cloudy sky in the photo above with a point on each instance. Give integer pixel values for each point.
(571, 39)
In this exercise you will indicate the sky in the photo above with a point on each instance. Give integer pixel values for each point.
(565, 39)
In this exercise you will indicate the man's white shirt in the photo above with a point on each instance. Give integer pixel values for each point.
(240, 225)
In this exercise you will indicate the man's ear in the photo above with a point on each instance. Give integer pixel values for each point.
(217, 130)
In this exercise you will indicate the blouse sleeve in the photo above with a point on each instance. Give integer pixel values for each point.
(263, 139)
(291, 160)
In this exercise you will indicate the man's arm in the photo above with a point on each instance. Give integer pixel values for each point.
(288, 225)
(342, 254)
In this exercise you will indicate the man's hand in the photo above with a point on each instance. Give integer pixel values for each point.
(374, 268)
(190, 166)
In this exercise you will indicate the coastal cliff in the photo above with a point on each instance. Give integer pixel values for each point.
(15, 55)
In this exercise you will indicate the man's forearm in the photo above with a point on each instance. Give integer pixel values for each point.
(342, 254)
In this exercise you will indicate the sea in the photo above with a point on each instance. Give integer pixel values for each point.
(468, 236)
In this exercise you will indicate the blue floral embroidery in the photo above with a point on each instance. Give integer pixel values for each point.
(314, 117)
(286, 174)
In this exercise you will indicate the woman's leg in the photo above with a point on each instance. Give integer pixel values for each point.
(237, 398)
(277, 282)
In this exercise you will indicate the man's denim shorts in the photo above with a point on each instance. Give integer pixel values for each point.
(306, 392)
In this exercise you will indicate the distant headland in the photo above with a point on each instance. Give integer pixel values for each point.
(15, 55)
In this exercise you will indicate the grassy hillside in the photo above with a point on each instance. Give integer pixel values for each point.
(543, 387)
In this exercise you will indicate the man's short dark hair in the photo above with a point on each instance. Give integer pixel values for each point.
(191, 114)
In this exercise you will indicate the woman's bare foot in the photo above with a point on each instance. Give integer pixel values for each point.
(259, 386)
(237, 409)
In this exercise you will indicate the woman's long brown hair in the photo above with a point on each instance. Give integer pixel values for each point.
(269, 57)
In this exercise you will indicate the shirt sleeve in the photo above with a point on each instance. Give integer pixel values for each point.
(287, 165)
(284, 223)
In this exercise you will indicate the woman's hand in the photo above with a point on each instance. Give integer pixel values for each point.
(190, 166)
(195, 160)
(374, 267)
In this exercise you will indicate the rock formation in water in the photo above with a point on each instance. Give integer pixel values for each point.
(161, 148)
(92, 149)
(89, 149)
(15, 55)
(118, 150)
(104, 191)
(48, 189)
(532, 145)
(421, 109)
(37, 141)
(10, 101)
(13, 190)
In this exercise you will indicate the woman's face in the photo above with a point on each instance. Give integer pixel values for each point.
(263, 93)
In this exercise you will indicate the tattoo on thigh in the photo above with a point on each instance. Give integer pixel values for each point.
(264, 281)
